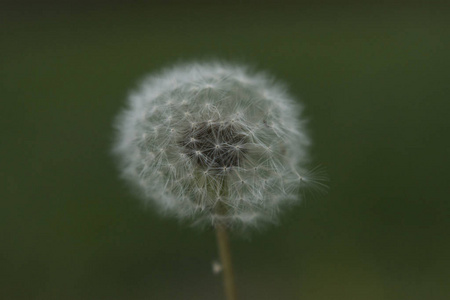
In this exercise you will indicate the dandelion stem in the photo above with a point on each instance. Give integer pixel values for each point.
(223, 244)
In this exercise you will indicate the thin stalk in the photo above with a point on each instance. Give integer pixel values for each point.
(223, 244)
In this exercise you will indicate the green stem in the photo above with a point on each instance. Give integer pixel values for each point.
(223, 244)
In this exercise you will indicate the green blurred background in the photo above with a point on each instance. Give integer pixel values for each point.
(375, 83)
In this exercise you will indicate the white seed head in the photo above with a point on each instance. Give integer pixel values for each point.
(213, 142)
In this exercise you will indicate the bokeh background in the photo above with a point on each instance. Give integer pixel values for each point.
(375, 82)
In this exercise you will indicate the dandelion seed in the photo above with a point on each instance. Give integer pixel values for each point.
(216, 267)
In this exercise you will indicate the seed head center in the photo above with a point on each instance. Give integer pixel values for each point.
(217, 142)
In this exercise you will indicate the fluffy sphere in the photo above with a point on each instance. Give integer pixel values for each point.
(213, 142)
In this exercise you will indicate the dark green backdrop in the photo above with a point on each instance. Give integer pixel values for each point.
(375, 83)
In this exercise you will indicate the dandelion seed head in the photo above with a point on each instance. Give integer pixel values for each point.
(213, 142)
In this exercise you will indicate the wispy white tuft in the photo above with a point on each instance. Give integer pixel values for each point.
(213, 142)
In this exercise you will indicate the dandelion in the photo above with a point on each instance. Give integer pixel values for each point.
(214, 143)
